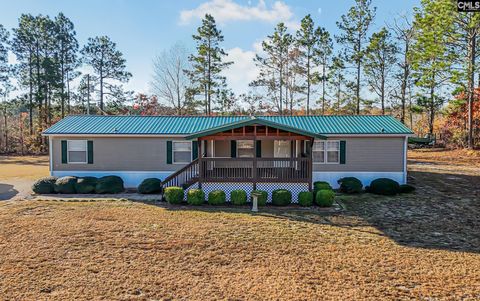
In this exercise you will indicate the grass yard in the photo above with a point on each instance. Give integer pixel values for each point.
(423, 246)
(25, 167)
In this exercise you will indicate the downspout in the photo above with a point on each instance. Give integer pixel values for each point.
(50, 152)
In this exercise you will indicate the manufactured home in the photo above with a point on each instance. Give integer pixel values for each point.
(230, 152)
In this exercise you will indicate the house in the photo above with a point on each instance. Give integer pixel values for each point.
(230, 152)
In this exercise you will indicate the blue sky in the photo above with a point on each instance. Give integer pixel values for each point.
(144, 28)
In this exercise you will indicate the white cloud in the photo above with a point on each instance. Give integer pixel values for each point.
(227, 10)
(242, 71)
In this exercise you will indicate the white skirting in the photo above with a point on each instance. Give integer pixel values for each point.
(365, 177)
(131, 179)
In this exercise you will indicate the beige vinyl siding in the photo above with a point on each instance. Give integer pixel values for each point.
(120, 154)
(363, 154)
(381, 154)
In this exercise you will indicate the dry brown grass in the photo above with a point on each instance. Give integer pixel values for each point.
(454, 156)
(423, 246)
(26, 167)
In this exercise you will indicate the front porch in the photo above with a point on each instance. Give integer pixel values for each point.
(252, 151)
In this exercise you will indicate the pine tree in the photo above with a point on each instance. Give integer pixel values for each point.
(322, 56)
(431, 58)
(208, 62)
(354, 28)
(273, 66)
(108, 64)
(66, 53)
(380, 58)
(305, 40)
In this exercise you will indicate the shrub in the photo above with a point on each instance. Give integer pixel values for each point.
(217, 197)
(320, 185)
(262, 198)
(384, 186)
(86, 185)
(65, 185)
(174, 195)
(406, 188)
(238, 197)
(281, 197)
(195, 197)
(324, 198)
(350, 185)
(109, 184)
(150, 186)
(305, 198)
(44, 185)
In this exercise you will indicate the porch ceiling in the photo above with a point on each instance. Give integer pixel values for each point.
(252, 121)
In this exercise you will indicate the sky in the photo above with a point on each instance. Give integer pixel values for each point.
(143, 28)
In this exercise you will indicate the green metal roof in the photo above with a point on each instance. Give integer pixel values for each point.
(188, 125)
(251, 121)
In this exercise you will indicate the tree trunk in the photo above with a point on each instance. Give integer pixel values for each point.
(431, 119)
(471, 88)
(382, 96)
(308, 83)
(30, 94)
(323, 87)
(403, 91)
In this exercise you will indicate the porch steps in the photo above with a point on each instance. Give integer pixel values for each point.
(184, 177)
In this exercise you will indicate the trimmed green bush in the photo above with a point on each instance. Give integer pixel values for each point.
(350, 185)
(65, 185)
(44, 185)
(86, 184)
(262, 198)
(406, 188)
(195, 197)
(217, 197)
(150, 186)
(174, 195)
(305, 198)
(281, 197)
(324, 198)
(238, 197)
(320, 185)
(384, 186)
(109, 184)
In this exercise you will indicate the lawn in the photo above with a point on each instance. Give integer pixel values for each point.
(423, 246)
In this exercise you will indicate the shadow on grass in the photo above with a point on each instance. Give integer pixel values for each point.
(7, 192)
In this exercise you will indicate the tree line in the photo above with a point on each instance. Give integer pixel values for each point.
(421, 68)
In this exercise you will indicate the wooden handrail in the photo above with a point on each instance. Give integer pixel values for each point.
(182, 176)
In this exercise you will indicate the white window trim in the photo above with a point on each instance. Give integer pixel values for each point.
(173, 151)
(325, 153)
(86, 152)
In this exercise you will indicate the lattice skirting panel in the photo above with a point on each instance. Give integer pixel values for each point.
(295, 188)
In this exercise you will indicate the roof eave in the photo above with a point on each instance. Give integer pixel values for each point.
(252, 121)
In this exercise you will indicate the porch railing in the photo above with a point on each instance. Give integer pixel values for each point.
(255, 170)
(184, 177)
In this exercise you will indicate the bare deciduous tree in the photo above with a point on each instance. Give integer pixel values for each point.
(169, 81)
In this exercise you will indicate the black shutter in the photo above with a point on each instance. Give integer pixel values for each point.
(194, 150)
(64, 152)
(90, 151)
(169, 152)
(343, 151)
(259, 149)
(233, 149)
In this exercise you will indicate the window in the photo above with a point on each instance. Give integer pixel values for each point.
(182, 152)
(326, 152)
(318, 152)
(245, 148)
(282, 148)
(77, 151)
